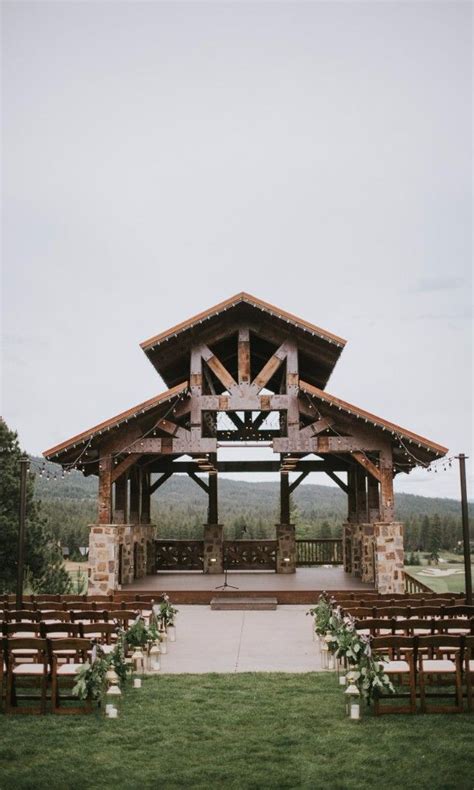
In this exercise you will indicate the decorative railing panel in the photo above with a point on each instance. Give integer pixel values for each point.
(179, 555)
(319, 552)
(250, 555)
(413, 585)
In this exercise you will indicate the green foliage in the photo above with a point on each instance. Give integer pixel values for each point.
(346, 643)
(167, 611)
(140, 635)
(44, 567)
(90, 683)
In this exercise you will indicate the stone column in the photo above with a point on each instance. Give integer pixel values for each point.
(347, 547)
(389, 555)
(367, 554)
(213, 548)
(103, 559)
(286, 548)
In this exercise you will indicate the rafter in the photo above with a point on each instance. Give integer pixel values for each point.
(158, 483)
(362, 459)
(337, 480)
(270, 367)
(217, 368)
(199, 482)
(124, 465)
(316, 427)
(298, 480)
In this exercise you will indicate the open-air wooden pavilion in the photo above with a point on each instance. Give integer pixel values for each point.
(243, 372)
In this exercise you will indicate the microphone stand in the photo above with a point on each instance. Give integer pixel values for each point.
(226, 586)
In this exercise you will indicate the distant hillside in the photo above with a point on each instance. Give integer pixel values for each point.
(246, 509)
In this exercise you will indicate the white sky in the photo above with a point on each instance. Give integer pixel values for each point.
(159, 157)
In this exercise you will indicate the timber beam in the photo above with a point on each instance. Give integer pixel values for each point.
(184, 467)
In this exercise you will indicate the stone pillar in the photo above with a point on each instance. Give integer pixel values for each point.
(389, 555)
(356, 550)
(367, 554)
(103, 559)
(213, 548)
(286, 548)
(108, 543)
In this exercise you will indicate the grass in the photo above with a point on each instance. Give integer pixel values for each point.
(242, 731)
(452, 584)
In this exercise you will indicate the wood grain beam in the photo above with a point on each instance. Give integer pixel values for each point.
(124, 466)
(158, 483)
(270, 367)
(219, 370)
(316, 427)
(337, 480)
(366, 464)
(243, 354)
(298, 480)
(199, 482)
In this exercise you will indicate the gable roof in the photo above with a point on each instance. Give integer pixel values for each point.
(169, 351)
(115, 422)
(378, 422)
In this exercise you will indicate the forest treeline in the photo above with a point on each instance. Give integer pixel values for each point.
(247, 510)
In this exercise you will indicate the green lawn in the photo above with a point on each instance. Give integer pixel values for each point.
(453, 584)
(237, 731)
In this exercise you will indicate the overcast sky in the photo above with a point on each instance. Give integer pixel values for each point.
(159, 157)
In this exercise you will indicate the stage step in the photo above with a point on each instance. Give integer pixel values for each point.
(242, 603)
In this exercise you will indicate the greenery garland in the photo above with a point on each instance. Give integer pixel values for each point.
(353, 648)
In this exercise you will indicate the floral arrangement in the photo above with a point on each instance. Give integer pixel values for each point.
(140, 635)
(90, 682)
(353, 648)
(167, 612)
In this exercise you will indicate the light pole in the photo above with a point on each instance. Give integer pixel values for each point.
(24, 461)
(465, 528)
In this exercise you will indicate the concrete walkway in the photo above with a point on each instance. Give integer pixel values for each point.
(245, 641)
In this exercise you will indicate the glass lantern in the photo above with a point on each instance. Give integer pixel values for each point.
(163, 642)
(113, 698)
(155, 663)
(353, 701)
(138, 661)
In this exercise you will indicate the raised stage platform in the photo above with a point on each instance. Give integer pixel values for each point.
(304, 586)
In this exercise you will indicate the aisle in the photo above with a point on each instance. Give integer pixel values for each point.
(249, 641)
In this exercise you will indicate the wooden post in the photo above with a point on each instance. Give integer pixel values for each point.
(24, 462)
(134, 496)
(386, 486)
(105, 490)
(244, 356)
(465, 528)
(146, 497)
(284, 498)
(351, 496)
(373, 504)
(361, 496)
(121, 500)
(213, 510)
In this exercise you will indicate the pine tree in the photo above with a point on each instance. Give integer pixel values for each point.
(44, 567)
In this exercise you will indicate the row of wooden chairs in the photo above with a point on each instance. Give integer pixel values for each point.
(50, 663)
(104, 632)
(429, 664)
(30, 616)
(407, 611)
(411, 627)
(76, 606)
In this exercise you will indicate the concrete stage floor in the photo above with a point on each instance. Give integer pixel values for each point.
(318, 578)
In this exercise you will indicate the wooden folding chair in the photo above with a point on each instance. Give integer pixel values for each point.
(469, 669)
(19, 669)
(123, 617)
(22, 615)
(440, 656)
(64, 675)
(88, 615)
(104, 634)
(401, 653)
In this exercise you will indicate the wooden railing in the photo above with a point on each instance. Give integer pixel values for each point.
(319, 552)
(250, 555)
(413, 585)
(179, 555)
